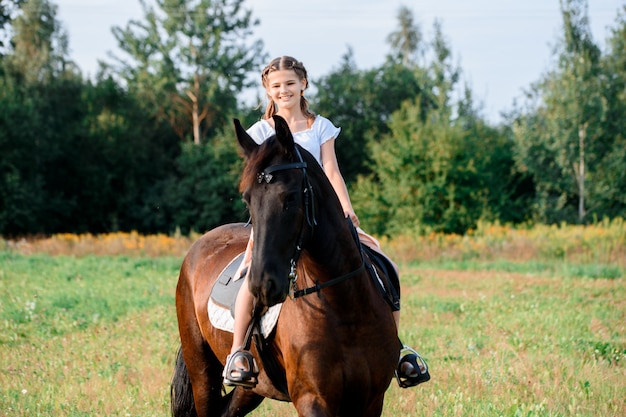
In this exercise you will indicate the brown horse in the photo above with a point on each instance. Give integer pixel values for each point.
(334, 348)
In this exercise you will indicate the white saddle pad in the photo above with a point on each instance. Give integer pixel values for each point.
(222, 319)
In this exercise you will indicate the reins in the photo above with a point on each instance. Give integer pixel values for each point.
(317, 287)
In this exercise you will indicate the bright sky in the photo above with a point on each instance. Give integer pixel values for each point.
(502, 46)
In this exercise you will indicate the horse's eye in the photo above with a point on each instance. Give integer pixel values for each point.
(289, 202)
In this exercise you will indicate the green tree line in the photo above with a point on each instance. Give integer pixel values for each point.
(147, 144)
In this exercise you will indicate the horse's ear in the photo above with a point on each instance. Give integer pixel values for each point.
(246, 143)
(283, 134)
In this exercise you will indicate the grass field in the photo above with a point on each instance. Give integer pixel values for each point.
(96, 335)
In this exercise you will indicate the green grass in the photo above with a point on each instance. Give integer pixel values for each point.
(49, 296)
(97, 336)
(560, 268)
(86, 336)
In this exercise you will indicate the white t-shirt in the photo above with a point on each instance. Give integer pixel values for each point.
(310, 139)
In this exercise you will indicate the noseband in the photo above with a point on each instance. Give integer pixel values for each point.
(309, 208)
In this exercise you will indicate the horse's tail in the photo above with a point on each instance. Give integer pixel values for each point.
(181, 395)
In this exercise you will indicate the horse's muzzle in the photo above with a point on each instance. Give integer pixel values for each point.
(269, 289)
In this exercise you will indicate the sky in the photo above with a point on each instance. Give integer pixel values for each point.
(501, 46)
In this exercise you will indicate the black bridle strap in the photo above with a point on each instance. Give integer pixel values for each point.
(267, 176)
(317, 287)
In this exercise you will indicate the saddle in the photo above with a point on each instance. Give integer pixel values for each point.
(381, 270)
(384, 275)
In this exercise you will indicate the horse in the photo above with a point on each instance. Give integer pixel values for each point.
(334, 348)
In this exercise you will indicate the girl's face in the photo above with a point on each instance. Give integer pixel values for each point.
(284, 88)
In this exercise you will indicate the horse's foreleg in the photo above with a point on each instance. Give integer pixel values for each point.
(310, 405)
(317, 408)
(241, 401)
(375, 408)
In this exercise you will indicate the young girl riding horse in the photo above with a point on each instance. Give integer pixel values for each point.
(285, 80)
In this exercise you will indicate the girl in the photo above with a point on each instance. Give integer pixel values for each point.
(285, 80)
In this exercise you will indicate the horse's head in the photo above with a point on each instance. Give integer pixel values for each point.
(276, 189)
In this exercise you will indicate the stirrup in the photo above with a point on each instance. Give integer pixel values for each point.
(418, 375)
(243, 376)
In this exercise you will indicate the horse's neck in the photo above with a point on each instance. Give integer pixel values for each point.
(336, 261)
(334, 246)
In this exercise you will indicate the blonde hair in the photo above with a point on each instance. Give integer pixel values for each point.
(286, 63)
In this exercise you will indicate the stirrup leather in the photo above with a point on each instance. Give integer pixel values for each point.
(240, 369)
(419, 373)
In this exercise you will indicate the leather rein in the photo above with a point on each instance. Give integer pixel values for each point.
(309, 208)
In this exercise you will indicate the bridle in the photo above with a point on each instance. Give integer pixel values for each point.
(309, 209)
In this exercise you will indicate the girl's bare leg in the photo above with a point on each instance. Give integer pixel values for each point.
(241, 368)
(243, 315)
(244, 301)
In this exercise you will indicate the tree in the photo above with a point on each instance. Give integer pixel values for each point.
(406, 41)
(202, 191)
(22, 191)
(442, 72)
(435, 173)
(39, 46)
(37, 119)
(7, 9)
(76, 157)
(439, 167)
(361, 103)
(189, 59)
(611, 175)
(560, 141)
(125, 153)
